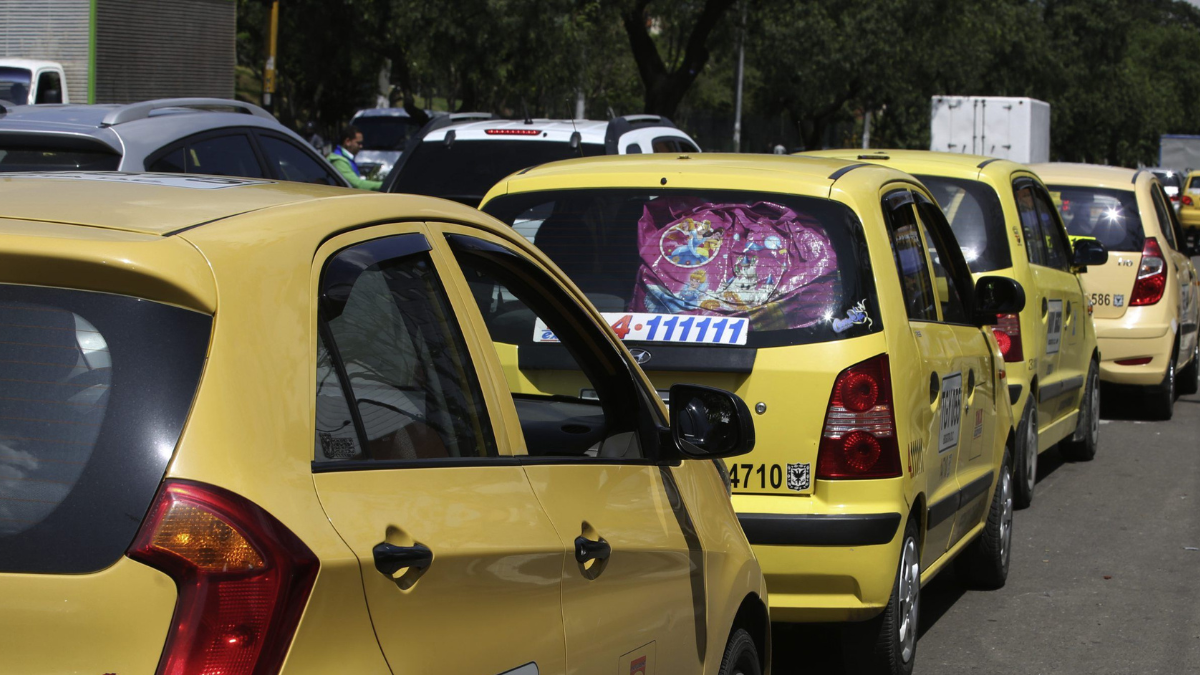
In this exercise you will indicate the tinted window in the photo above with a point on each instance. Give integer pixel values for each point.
(948, 283)
(1111, 216)
(973, 209)
(49, 88)
(172, 162)
(223, 156)
(795, 268)
(1035, 247)
(96, 388)
(384, 132)
(1055, 244)
(35, 159)
(909, 254)
(15, 84)
(389, 342)
(465, 170)
(292, 163)
(1165, 213)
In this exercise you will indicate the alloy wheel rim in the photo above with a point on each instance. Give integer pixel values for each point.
(910, 594)
(1031, 453)
(1006, 516)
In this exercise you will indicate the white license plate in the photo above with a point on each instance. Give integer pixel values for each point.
(685, 328)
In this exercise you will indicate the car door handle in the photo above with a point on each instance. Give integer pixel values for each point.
(390, 559)
(586, 549)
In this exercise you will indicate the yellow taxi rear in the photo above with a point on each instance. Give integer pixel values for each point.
(829, 297)
(1189, 208)
(1145, 297)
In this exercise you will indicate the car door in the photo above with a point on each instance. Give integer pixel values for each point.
(975, 465)
(633, 586)
(936, 420)
(460, 565)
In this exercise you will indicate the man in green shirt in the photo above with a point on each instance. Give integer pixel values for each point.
(342, 159)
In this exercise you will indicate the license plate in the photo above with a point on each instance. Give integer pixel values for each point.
(789, 478)
(688, 329)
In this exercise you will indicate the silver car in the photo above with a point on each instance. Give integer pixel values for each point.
(182, 135)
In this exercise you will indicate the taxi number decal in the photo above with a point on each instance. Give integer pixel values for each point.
(1108, 300)
(1054, 326)
(691, 328)
(951, 412)
(761, 476)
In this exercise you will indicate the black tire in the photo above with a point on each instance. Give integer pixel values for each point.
(1081, 447)
(1189, 377)
(1160, 401)
(741, 656)
(1026, 460)
(984, 563)
(887, 644)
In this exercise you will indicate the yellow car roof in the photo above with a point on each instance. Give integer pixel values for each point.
(144, 203)
(768, 173)
(1092, 175)
(928, 162)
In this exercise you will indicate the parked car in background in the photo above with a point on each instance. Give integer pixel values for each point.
(1006, 224)
(334, 456)
(26, 81)
(832, 297)
(1172, 182)
(189, 135)
(460, 159)
(385, 133)
(1144, 298)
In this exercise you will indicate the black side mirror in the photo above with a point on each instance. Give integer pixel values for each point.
(1089, 252)
(709, 423)
(997, 295)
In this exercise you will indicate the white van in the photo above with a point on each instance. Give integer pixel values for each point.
(26, 82)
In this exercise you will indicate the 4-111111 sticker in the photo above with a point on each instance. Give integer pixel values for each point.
(645, 327)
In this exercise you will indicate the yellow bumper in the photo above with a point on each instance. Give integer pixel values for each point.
(1122, 342)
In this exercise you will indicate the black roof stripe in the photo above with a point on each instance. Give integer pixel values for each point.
(987, 161)
(846, 169)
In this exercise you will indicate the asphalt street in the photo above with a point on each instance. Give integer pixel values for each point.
(1105, 572)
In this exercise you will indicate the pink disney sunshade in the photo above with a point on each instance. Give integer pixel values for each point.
(760, 260)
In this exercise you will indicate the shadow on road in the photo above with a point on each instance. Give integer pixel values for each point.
(937, 597)
(806, 648)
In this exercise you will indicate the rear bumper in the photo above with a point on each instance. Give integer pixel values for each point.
(1154, 341)
(773, 529)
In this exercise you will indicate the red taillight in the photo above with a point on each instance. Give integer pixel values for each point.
(512, 132)
(1187, 201)
(243, 580)
(1008, 335)
(1134, 362)
(1152, 276)
(859, 437)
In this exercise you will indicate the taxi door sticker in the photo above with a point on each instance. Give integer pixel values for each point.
(1054, 326)
(637, 662)
(951, 412)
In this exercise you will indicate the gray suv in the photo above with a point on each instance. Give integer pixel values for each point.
(181, 135)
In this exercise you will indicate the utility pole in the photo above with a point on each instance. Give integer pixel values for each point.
(268, 98)
(741, 66)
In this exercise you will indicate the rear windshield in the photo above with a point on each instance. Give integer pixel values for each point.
(96, 388)
(14, 85)
(465, 170)
(973, 209)
(1111, 216)
(1170, 180)
(754, 269)
(385, 132)
(35, 159)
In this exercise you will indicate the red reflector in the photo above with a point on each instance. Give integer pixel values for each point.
(242, 577)
(1187, 201)
(1002, 339)
(1010, 326)
(1134, 362)
(1152, 276)
(512, 132)
(859, 436)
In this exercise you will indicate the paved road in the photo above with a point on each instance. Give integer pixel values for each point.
(1104, 577)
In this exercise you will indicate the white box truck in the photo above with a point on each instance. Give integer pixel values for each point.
(994, 126)
(26, 82)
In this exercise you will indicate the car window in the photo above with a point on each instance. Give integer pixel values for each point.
(1166, 219)
(223, 156)
(1035, 247)
(909, 255)
(15, 84)
(1056, 246)
(172, 162)
(949, 283)
(394, 379)
(22, 157)
(1110, 216)
(1194, 185)
(292, 163)
(633, 149)
(49, 88)
(974, 211)
(540, 334)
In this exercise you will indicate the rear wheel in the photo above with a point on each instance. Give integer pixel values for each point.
(1082, 446)
(1189, 377)
(985, 561)
(741, 656)
(1161, 400)
(887, 645)
(1025, 469)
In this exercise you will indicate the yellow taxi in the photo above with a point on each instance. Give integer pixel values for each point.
(1006, 224)
(832, 298)
(1189, 209)
(1144, 298)
(252, 427)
